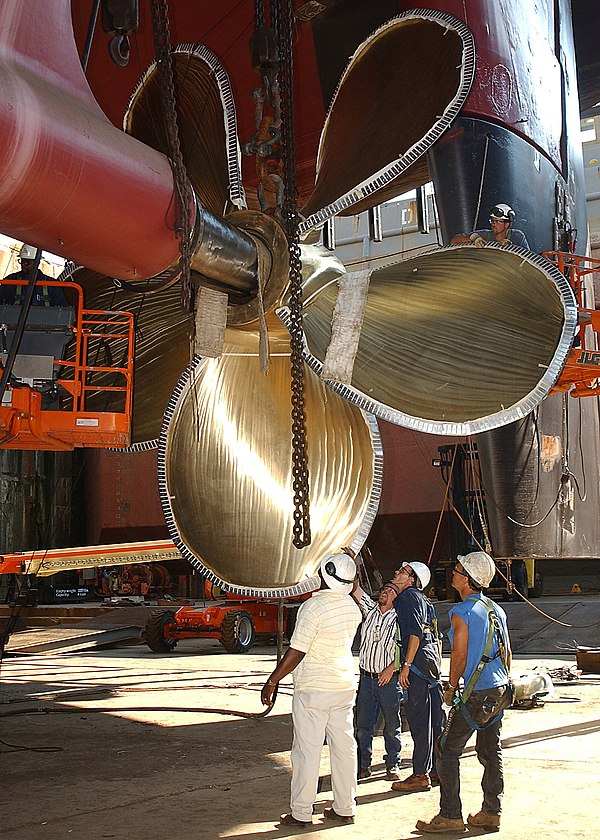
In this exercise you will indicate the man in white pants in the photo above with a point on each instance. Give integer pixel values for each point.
(320, 655)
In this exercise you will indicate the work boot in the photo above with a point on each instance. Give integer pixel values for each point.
(330, 814)
(364, 772)
(414, 783)
(290, 819)
(434, 779)
(441, 824)
(485, 819)
(392, 772)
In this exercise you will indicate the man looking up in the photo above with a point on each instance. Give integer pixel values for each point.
(420, 672)
(481, 657)
(320, 655)
(378, 686)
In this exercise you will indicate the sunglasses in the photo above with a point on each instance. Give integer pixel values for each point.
(459, 571)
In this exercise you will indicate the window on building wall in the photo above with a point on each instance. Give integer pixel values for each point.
(588, 130)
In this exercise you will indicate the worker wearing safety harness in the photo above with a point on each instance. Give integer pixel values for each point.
(481, 657)
(420, 672)
(43, 296)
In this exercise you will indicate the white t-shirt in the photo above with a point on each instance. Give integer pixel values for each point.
(325, 628)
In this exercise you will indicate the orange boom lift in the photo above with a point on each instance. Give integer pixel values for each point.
(56, 385)
(235, 621)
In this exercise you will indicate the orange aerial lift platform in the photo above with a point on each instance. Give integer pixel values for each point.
(580, 375)
(56, 393)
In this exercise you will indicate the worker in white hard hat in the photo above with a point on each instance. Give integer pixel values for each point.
(480, 660)
(420, 672)
(500, 231)
(320, 657)
(44, 295)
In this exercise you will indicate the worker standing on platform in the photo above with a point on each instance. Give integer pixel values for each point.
(481, 657)
(420, 673)
(501, 231)
(44, 295)
(378, 687)
(320, 655)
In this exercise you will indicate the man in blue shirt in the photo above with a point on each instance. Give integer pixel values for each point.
(481, 657)
(501, 231)
(420, 672)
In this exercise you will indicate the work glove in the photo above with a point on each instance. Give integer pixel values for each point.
(449, 694)
(477, 240)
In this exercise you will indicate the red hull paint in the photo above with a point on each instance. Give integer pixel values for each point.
(71, 183)
(76, 187)
(122, 500)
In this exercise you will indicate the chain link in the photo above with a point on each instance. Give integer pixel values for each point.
(282, 20)
(183, 191)
(259, 14)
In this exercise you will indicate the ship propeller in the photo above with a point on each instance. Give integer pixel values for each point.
(453, 341)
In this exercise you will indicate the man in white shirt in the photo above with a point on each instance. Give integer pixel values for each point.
(320, 655)
(378, 688)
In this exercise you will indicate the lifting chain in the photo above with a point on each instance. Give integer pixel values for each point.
(259, 14)
(183, 191)
(265, 143)
(282, 19)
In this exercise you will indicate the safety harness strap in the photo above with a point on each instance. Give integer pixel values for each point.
(398, 648)
(466, 692)
(20, 294)
(468, 717)
(423, 676)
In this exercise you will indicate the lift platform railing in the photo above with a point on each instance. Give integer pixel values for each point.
(581, 372)
(60, 395)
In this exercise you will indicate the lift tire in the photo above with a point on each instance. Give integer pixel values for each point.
(237, 631)
(154, 631)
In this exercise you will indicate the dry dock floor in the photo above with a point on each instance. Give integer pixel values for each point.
(114, 744)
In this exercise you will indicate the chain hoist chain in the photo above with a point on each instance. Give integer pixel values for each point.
(282, 18)
(259, 14)
(183, 192)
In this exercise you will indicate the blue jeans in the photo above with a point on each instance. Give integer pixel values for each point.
(423, 704)
(371, 699)
(483, 706)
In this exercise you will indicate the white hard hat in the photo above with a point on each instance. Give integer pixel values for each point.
(27, 252)
(504, 212)
(479, 566)
(422, 574)
(338, 571)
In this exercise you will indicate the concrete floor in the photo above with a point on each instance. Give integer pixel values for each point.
(122, 744)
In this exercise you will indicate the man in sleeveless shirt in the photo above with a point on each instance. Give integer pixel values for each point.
(480, 657)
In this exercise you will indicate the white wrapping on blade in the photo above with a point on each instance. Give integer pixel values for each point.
(211, 320)
(346, 325)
